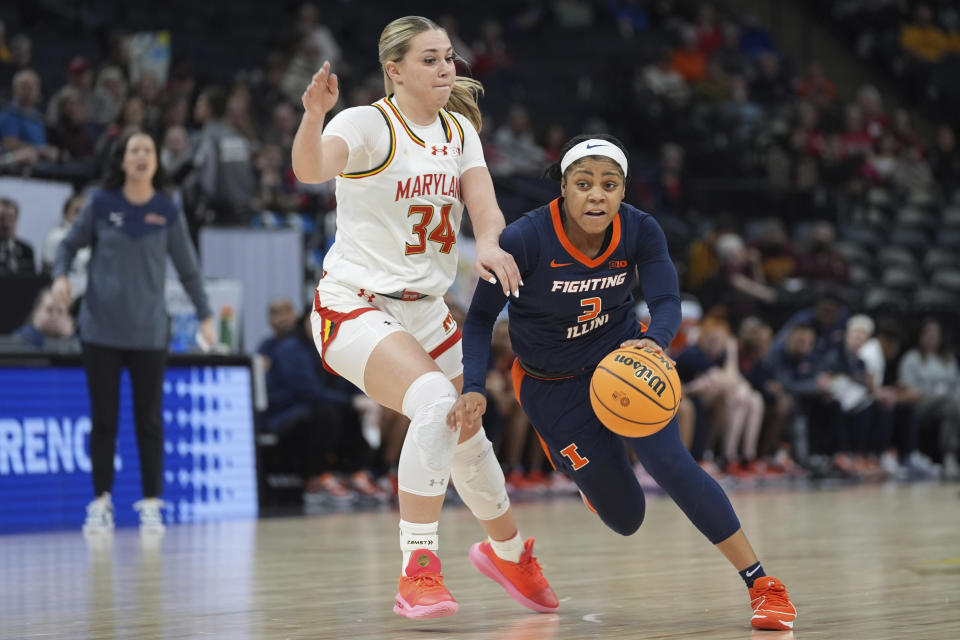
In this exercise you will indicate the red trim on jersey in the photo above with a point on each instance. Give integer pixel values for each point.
(575, 253)
(332, 320)
(444, 346)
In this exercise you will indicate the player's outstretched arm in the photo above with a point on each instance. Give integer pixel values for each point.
(493, 264)
(316, 158)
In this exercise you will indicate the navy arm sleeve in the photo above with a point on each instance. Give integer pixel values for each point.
(488, 301)
(658, 279)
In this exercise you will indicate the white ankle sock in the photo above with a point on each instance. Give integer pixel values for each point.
(510, 549)
(415, 535)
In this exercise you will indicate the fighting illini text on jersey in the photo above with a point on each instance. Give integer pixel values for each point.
(399, 231)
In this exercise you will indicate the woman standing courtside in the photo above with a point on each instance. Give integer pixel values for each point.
(131, 226)
(405, 167)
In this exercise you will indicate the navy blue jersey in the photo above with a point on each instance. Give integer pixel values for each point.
(573, 310)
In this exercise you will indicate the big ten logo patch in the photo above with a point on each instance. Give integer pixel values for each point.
(449, 324)
(618, 264)
(444, 150)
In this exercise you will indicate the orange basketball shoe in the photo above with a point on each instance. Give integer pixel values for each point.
(771, 604)
(523, 580)
(420, 593)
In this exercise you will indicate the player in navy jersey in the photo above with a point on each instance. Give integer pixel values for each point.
(580, 258)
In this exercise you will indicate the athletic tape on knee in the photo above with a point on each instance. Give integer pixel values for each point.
(479, 479)
(428, 449)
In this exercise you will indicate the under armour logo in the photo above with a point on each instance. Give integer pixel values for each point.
(390, 323)
(442, 149)
(363, 294)
(435, 483)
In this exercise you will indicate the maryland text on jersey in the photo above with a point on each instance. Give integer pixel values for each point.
(428, 184)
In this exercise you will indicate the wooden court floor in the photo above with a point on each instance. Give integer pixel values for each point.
(874, 562)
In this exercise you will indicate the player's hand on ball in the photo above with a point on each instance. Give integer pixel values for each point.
(322, 92)
(649, 344)
(467, 411)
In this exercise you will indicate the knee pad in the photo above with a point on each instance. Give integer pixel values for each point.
(479, 479)
(428, 449)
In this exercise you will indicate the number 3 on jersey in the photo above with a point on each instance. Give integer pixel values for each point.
(443, 233)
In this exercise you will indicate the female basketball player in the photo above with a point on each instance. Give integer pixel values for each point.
(405, 167)
(579, 256)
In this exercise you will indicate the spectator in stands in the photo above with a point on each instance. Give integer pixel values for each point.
(132, 227)
(912, 174)
(773, 449)
(130, 119)
(70, 133)
(553, 139)
(777, 255)
(755, 40)
(857, 141)
(945, 160)
(175, 155)
(307, 58)
(710, 370)
(730, 57)
(808, 139)
(21, 55)
(240, 112)
(573, 14)
(148, 90)
(283, 126)
(305, 410)
(108, 96)
(222, 183)
(319, 35)
(871, 105)
(709, 34)
(660, 79)
(491, 50)
(866, 431)
(268, 90)
(688, 60)
(16, 256)
(515, 141)
(49, 320)
(816, 87)
(78, 268)
(827, 318)
(770, 86)
(715, 86)
(21, 123)
(5, 56)
(80, 84)
(275, 193)
(929, 372)
(880, 164)
(923, 39)
(740, 115)
(820, 260)
(741, 286)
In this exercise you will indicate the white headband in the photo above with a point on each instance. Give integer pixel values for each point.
(594, 147)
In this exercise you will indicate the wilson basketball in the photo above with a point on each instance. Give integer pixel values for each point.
(635, 392)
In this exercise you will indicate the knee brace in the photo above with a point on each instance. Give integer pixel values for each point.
(429, 446)
(479, 479)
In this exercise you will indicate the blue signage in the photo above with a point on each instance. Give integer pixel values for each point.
(45, 477)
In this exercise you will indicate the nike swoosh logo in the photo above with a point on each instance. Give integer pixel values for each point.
(750, 573)
(594, 146)
(554, 263)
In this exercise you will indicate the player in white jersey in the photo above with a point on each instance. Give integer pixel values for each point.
(405, 166)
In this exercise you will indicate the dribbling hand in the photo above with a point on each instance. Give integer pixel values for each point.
(649, 344)
(322, 92)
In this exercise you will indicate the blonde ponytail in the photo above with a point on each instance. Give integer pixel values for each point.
(394, 43)
(463, 100)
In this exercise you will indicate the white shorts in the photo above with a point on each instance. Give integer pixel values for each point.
(348, 322)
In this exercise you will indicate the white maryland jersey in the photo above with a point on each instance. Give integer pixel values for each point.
(397, 222)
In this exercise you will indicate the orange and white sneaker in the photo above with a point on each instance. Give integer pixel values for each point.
(523, 580)
(420, 593)
(771, 604)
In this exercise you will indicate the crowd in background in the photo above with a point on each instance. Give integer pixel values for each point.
(816, 235)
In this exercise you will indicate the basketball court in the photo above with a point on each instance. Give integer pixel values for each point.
(875, 562)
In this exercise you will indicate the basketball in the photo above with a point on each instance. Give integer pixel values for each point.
(635, 392)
